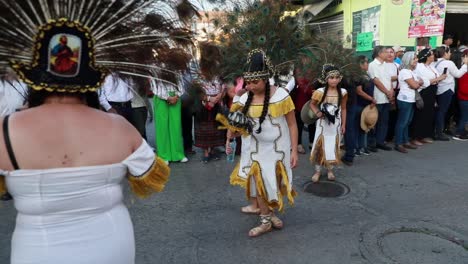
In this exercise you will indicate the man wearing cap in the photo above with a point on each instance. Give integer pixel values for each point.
(399, 51)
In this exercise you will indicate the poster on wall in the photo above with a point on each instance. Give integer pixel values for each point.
(364, 41)
(366, 20)
(427, 18)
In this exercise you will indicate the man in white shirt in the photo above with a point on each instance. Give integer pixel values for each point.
(392, 69)
(116, 95)
(383, 95)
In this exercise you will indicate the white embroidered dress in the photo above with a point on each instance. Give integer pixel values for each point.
(264, 168)
(326, 147)
(76, 215)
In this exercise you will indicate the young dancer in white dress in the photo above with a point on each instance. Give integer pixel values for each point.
(329, 105)
(270, 150)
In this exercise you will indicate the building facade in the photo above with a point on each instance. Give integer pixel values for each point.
(387, 19)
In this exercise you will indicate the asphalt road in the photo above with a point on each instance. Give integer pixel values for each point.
(401, 208)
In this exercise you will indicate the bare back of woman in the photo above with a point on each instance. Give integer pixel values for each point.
(61, 135)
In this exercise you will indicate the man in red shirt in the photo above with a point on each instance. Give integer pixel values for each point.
(462, 94)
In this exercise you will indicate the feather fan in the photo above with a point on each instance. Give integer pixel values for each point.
(125, 31)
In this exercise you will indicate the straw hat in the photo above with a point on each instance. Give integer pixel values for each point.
(307, 115)
(369, 118)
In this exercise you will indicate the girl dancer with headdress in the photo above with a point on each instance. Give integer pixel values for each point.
(266, 115)
(329, 105)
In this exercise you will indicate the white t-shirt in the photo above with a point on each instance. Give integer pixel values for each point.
(406, 92)
(392, 70)
(427, 73)
(377, 70)
(115, 89)
(452, 72)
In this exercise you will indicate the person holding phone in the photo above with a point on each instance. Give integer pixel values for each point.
(446, 87)
(462, 95)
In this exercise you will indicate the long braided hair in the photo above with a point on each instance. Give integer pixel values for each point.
(338, 89)
(266, 103)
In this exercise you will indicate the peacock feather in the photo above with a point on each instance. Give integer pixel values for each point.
(260, 24)
(135, 37)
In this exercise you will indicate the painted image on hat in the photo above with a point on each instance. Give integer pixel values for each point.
(64, 55)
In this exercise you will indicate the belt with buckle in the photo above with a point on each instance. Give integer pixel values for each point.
(121, 104)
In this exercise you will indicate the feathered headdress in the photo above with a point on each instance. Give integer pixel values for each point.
(258, 66)
(329, 70)
(259, 25)
(69, 46)
(326, 57)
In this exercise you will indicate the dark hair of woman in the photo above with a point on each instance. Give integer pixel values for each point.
(338, 89)
(266, 103)
(440, 52)
(361, 59)
(37, 98)
(423, 54)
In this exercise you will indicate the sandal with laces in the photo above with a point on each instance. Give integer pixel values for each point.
(249, 209)
(264, 227)
(276, 222)
(316, 177)
(331, 176)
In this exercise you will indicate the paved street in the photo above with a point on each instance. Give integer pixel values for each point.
(400, 209)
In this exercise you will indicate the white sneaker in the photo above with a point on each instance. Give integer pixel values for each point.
(460, 138)
(184, 160)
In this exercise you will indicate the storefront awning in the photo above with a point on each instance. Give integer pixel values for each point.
(457, 7)
(316, 8)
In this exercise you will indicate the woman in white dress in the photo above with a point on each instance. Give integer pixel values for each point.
(270, 149)
(65, 175)
(329, 105)
(63, 159)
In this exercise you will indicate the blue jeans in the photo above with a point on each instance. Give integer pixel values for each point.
(405, 115)
(382, 123)
(463, 117)
(351, 132)
(443, 102)
(361, 136)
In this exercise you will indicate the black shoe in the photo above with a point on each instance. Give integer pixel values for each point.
(373, 149)
(347, 162)
(384, 147)
(441, 137)
(448, 132)
(6, 197)
(365, 152)
(214, 156)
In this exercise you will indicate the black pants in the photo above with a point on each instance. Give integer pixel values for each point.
(124, 109)
(187, 127)
(139, 116)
